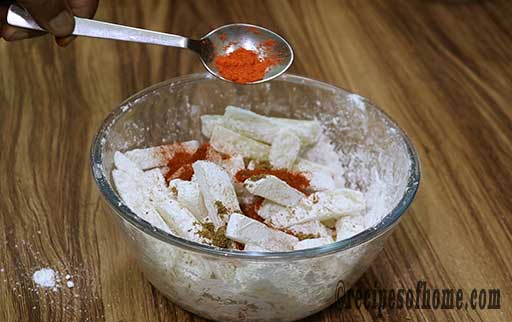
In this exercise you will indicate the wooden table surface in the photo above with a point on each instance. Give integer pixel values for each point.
(441, 69)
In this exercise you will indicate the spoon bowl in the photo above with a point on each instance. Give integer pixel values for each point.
(225, 39)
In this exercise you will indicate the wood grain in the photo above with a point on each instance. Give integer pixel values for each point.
(442, 69)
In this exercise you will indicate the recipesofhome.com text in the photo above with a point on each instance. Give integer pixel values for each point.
(421, 297)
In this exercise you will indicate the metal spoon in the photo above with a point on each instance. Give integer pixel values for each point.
(220, 41)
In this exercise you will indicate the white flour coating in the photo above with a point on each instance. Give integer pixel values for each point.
(44, 277)
(325, 154)
(357, 101)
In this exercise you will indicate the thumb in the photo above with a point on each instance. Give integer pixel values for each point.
(53, 15)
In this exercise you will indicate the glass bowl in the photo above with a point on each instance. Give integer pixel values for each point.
(230, 285)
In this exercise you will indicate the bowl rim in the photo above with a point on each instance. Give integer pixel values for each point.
(386, 224)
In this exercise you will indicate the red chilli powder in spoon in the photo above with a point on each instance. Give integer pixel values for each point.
(244, 66)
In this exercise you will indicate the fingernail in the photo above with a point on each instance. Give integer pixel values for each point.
(17, 35)
(62, 24)
(64, 41)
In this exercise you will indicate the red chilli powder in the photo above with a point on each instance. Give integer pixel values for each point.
(251, 210)
(180, 164)
(245, 66)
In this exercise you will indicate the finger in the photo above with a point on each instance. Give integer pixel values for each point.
(80, 8)
(52, 15)
(83, 8)
(11, 33)
(64, 41)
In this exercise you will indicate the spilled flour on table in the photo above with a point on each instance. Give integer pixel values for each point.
(44, 277)
(32, 284)
(48, 278)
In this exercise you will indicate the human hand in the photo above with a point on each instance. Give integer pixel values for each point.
(55, 16)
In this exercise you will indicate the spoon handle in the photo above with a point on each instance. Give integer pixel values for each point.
(17, 16)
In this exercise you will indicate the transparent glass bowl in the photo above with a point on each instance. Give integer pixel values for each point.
(229, 285)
